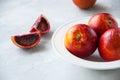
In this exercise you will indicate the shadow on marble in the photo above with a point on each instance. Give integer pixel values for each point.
(97, 8)
(47, 36)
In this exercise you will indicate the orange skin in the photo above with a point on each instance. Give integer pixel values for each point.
(109, 45)
(84, 4)
(28, 46)
(44, 25)
(81, 40)
(101, 22)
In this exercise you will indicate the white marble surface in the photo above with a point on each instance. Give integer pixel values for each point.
(41, 62)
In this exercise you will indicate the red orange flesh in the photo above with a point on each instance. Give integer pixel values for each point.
(41, 24)
(26, 40)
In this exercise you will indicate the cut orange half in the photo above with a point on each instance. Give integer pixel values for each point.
(27, 40)
(41, 24)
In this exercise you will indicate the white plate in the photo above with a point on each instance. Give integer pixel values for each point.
(92, 62)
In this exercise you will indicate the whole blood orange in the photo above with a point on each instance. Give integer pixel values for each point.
(81, 40)
(109, 45)
(101, 22)
(84, 3)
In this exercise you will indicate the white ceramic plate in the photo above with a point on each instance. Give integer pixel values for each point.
(92, 62)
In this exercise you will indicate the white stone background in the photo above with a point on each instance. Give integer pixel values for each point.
(41, 62)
